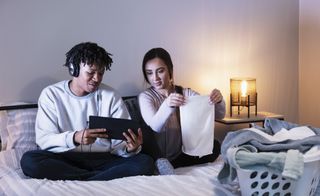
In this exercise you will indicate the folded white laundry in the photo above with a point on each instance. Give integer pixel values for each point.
(295, 133)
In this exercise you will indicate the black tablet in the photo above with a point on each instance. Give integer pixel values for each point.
(114, 126)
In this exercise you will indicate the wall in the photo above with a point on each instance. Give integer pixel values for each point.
(309, 58)
(210, 42)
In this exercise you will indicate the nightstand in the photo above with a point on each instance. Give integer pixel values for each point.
(243, 118)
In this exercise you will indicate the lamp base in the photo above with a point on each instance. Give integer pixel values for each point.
(244, 103)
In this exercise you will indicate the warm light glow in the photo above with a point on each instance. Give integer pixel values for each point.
(204, 83)
(243, 93)
(244, 87)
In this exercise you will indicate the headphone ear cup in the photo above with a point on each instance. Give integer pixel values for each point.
(74, 70)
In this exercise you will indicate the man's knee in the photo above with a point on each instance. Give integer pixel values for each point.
(30, 163)
(146, 163)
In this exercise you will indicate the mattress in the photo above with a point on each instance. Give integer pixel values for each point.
(194, 180)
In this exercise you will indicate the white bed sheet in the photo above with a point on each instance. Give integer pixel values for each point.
(196, 180)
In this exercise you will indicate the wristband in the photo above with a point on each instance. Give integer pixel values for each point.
(74, 141)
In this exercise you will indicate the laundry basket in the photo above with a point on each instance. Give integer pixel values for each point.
(266, 183)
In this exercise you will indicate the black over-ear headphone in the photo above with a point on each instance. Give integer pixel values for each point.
(74, 69)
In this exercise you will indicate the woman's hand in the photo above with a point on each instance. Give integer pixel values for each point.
(89, 136)
(133, 141)
(175, 100)
(215, 96)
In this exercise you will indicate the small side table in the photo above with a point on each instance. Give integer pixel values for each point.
(243, 118)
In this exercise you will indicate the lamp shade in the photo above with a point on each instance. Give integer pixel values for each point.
(243, 93)
(241, 88)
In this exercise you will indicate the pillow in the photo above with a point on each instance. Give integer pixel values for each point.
(11, 158)
(3, 129)
(20, 129)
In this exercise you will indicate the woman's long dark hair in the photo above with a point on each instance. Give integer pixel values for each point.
(157, 53)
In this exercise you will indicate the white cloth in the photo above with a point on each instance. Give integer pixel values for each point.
(197, 126)
(295, 133)
(164, 120)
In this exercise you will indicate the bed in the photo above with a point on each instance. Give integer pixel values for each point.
(17, 136)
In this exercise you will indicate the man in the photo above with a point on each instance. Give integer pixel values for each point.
(71, 151)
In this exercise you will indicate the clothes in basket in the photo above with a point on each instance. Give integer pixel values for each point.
(280, 146)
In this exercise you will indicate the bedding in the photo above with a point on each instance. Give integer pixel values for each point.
(3, 129)
(17, 128)
(195, 180)
(17, 133)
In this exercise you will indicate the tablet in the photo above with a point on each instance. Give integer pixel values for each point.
(114, 126)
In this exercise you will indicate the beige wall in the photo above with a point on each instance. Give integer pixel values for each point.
(210, 41)
(309, 63)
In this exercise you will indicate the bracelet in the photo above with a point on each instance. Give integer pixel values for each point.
(74, 141)
(84, 130)
(134, 150)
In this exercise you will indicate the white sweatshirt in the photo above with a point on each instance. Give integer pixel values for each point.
(61, 114)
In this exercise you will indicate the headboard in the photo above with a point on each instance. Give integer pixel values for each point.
(130, 101)
(18, 107)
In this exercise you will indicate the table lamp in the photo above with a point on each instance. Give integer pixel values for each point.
(243, 94)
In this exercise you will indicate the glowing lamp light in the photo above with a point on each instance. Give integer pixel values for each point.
(243, 94)
(244, 86)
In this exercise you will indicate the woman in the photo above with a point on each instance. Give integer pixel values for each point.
(159, 108)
